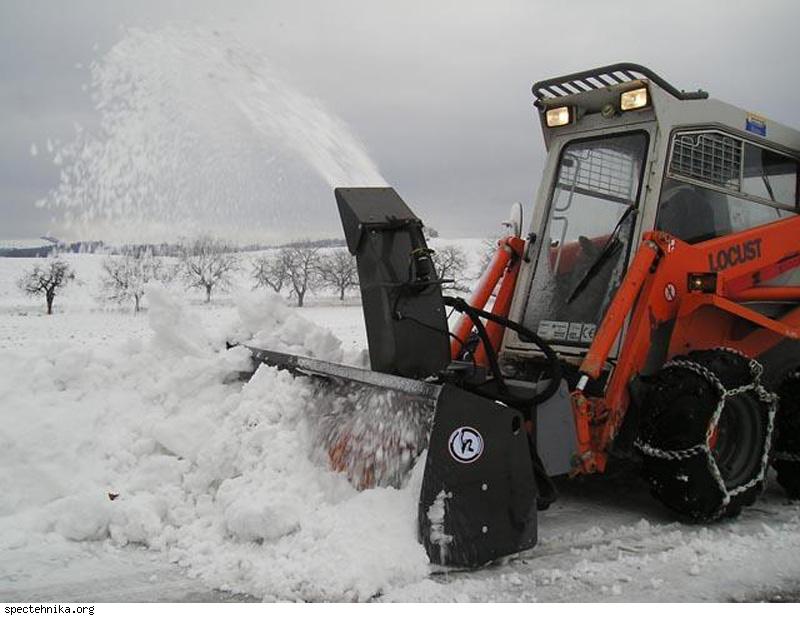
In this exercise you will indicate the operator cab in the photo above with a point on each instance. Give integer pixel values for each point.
(630, 153)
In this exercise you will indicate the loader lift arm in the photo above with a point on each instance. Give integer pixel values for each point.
(670, 280)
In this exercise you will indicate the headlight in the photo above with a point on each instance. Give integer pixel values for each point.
(559, 116)
(633, 99)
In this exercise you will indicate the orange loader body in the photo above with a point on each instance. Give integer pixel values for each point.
(703, 288)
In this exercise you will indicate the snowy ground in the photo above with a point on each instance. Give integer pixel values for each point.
(220, 496)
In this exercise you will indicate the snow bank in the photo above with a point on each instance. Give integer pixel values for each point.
(267, 322)
(157, 443)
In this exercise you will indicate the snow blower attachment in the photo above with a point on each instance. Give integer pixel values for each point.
(478, 496)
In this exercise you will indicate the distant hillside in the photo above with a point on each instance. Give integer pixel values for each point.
(43, 247)
(27, 247)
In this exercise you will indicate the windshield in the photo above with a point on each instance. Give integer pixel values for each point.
(584, 249)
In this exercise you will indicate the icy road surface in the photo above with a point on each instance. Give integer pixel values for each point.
(219, 500)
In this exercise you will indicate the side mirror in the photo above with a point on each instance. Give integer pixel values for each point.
(514, 223)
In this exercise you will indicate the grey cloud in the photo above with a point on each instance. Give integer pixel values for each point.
(438, 91)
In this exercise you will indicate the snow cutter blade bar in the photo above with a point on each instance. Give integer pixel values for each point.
(320, 368)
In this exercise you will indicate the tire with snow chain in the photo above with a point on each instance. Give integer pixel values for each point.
(786, 454)
(705, 434)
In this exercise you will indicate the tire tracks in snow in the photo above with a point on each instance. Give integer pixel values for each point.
(598, 546)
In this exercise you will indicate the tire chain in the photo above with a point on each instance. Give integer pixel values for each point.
(763, 394)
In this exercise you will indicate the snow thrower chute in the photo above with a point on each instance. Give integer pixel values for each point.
(479, 494)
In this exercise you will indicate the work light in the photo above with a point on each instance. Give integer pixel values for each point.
(633, 99)
(558, 116)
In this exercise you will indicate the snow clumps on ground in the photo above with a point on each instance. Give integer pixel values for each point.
(157, 443)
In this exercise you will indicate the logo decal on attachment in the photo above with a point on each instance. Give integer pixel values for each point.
(465, 444)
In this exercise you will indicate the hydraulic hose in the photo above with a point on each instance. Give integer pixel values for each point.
(475, 314)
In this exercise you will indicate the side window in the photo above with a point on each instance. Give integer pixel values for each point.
(769, 175)
(686, 212)
(712, 180)
(747, 214)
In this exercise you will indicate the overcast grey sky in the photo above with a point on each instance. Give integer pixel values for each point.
(438, 91)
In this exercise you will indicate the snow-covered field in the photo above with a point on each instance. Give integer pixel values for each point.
(218, 493)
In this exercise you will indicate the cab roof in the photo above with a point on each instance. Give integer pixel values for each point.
(588, 91)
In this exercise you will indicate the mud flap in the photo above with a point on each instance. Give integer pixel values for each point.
(478, 498)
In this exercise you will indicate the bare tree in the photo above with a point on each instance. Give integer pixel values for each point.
(302, 264)
(450, 262)
(124, 278)
(337, 269)
(208, 264)
(47, 281)
(271, 271)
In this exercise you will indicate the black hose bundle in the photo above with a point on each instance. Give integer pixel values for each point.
(476, 314)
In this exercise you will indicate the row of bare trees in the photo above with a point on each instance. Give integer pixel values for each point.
(300, 268)
(203, 263)
(209, 265)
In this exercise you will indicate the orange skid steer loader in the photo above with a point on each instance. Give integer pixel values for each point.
(652, 312)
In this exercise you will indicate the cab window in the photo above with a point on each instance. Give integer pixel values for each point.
(769, 175)
(718, 184)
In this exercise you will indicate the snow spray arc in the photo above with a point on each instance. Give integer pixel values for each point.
(197, 132)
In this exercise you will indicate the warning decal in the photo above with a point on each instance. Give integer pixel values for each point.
(569, 332)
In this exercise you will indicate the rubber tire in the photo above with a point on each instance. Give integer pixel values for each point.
(676, 412)
(787, 426)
